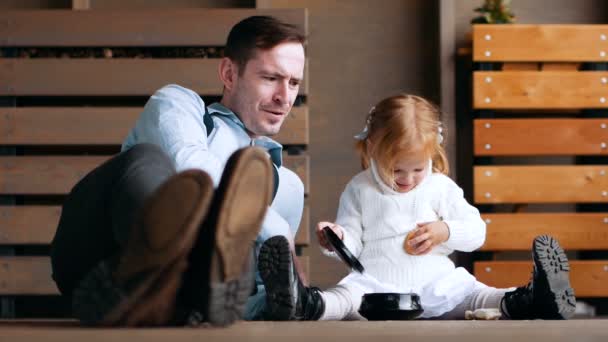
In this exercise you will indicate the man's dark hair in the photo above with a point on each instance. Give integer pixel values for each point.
(259, 32)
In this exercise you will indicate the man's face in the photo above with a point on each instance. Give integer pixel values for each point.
(264, 92)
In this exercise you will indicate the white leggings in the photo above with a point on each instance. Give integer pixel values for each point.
(343, 301)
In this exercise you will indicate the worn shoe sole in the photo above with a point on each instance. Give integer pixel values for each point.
(155, 258)
(224, 249)
(275, 266)
(551, 261)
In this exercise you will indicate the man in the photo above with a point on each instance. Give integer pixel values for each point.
(167, 249)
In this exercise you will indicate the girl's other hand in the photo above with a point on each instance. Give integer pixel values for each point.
(428, 235)
(321, 237)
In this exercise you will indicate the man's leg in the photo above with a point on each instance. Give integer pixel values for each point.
(286, 297)
(124, 235)
(221, 276)
(548, 295)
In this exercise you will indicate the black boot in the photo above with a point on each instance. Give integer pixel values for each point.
(548, 295)
(286, 297)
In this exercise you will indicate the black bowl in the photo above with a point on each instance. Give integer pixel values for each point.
(390, 306)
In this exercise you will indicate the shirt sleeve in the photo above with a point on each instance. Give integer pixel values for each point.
(173, 119)
(467, 229)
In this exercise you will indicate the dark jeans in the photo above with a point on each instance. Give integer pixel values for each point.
(98, 213)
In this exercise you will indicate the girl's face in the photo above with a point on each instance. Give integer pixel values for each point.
(409, 171)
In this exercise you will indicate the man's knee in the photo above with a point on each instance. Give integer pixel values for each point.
(148, 154)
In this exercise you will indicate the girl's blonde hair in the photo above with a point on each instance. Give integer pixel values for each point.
(399, 126)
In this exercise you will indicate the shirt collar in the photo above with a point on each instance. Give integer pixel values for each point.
(274, 148)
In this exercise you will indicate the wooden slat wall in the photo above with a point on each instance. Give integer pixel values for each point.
(36, 225)
(83, 128)
(102, 125)
(574, 231)
(540, 90)
(525, 137)
(537, 101)
(151, 27)
(541, 184)
(32, 275)
(56, 175)
(557, 43)
(113, 77)
(588, 278)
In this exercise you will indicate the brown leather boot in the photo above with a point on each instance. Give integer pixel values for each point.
(151, 268)
(221, 275)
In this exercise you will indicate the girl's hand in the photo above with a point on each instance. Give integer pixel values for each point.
(426, 236)
(321, 237)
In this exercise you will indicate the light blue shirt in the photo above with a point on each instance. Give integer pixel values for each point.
(173, 120)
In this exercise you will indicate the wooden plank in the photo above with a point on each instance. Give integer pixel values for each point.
(135, 27)
(108, 77)
(26, 275)
(36, 225)
(584, 330)
(541, 184)
(102, 125)
(28, 225)
(303, 235)
(295, 129)
(31, 275)
(557, 43)
(56, 175)
(44, 175)
(66, 125)
(81, 4)
(540, 89)
(301, 166)
(525, 137)
(588, 278)
(580, 231)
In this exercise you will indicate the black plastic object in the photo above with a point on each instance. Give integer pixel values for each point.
(342, 251)
(390, 306)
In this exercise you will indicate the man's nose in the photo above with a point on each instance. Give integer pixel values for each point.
(281, 93)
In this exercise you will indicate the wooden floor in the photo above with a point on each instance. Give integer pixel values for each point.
(405, 331)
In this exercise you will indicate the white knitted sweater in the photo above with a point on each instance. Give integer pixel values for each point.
(377, 219)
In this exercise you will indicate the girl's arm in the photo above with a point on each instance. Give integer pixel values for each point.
(348, 222)
(467, 231)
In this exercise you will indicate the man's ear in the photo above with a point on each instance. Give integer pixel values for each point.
(228, 72)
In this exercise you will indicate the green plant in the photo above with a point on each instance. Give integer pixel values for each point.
(494, 12)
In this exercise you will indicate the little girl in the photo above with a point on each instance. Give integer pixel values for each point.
(402, 217)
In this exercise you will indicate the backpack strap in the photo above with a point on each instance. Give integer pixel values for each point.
(208, 121)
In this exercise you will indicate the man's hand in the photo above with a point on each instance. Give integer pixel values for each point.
(321, 237)
(426, 236)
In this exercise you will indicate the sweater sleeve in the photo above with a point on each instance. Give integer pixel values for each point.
(349, 217)
(467, 229)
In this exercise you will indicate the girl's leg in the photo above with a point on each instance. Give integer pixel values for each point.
(483, 297)
(342, 303)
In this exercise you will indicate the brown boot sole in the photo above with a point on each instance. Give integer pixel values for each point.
(156, 255)
(236, 218)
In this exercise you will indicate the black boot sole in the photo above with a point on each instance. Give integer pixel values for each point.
(551, 261)
(275, 267)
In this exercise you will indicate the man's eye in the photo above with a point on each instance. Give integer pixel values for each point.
(418, 170)
(270, 78)
(294, 83)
